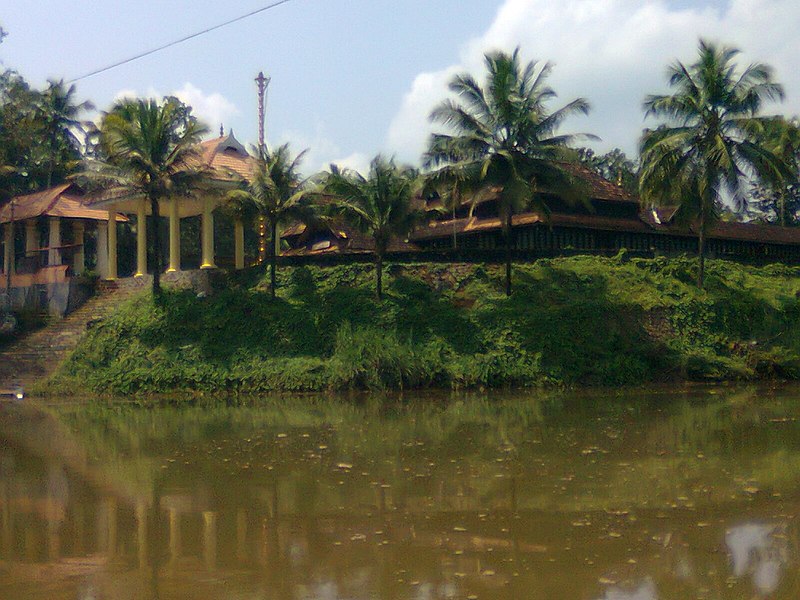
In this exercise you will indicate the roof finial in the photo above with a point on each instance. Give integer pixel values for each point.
(221, 130)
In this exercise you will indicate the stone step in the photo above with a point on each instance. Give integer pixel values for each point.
(36, 355)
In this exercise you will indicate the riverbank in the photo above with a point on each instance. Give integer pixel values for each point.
(571, 321)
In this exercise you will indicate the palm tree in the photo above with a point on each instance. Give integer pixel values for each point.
(455, 185)
(276, 193)
(711, 141)
(57, 113)
(782, 137)
(506, 131)
(379, 205)
(150, 149)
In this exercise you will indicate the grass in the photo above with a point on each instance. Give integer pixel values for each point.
(571, 321)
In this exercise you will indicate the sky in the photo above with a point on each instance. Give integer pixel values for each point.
(353, 78)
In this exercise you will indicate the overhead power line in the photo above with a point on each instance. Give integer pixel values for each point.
(180, 41)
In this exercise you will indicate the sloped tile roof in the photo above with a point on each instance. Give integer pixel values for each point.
(227, 158)
(63, 201)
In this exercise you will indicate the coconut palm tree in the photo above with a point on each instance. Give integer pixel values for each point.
(151, 149)
(57, 114)
(455, 185)
(506, 130)
(276, 193)
(711, 141)
(782, 137)
(379, 205)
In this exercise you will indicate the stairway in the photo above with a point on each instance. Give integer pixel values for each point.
(37, 355)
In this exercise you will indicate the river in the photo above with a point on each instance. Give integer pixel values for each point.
(641, 495)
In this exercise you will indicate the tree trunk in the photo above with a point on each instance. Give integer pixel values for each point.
(379, 274)
(273, 257)
(782, 206)
(509, 239)
(156, 247)
(701, 251)
(455, 242)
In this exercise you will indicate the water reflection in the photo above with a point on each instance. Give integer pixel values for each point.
(640, 498)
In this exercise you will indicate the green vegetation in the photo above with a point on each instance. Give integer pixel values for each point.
(570, 321)
(379, 205)
(274, 193)
(148, 149)
(505, 139)
(713, 139)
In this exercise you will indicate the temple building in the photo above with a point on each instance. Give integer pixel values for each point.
(611, 220)
(54, 235)
(46, 236)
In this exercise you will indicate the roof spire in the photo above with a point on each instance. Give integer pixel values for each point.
(221, 130)
(262, 83)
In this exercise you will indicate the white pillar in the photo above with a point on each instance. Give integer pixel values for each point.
(102, 249)
(174, 237)
(112, 245)
(8, 255)
(54, 255)
(141, 239)
(207, 235)
(31, 240)
(79, 257)
(238, 243)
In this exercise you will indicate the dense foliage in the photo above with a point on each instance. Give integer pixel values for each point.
(582, 320)
(711, 137)
(378, 204)
(149, 150)
(42, 138)
(505, 136)
(274, 193)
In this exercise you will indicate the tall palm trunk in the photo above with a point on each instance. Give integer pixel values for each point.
(379, 274)
(455, 241)
(508, 235)
(156, 247)
(273, 256)
(782, 206)
(701, 250)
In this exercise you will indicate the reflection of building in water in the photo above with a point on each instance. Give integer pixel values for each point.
(195, 530)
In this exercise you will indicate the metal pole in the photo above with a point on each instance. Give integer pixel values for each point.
(263, 83)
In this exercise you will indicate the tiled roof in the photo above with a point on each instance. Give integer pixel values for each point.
(60, 201)
(600, 188)
(227, 158)
(34, 205)
(343, 237)
(474, 224)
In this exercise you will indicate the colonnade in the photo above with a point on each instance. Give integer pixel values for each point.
(107, 243)
(107, 261)
(54, 244)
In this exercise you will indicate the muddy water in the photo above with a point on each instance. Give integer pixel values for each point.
(596, 496)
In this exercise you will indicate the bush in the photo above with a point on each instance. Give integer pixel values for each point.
(579, 320)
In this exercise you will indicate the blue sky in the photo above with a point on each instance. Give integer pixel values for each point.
(351, 78)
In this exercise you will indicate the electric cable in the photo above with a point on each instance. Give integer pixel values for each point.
(179, 41)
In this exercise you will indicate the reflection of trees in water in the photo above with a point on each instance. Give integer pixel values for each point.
(259, 491)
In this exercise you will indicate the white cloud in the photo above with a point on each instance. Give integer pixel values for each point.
(212, 109)
(320, 149)
(357, 161)
(612, 52)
